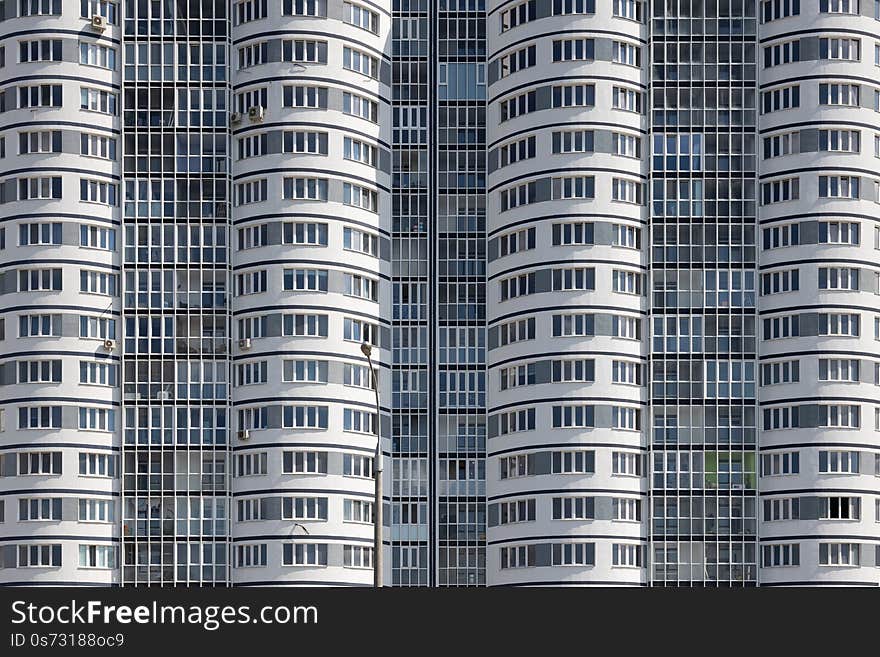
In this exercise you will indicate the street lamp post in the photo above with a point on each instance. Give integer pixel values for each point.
(377, 476)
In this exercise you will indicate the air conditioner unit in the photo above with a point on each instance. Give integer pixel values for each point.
(235, 118)
(163, 395)
(99, 22)
(736, 486)
(256, 113)
(109, 344)
(244, 434)
(244, 343)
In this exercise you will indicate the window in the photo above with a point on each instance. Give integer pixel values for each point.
(838, 462)
(360, 196)
(304, 233)
(581, 370)
(250, 556)
(518, 105)
(34, 280)
(627, 282)
(516, 331)
(304, 508)
(39, 233)
(361, 17)
(305, 280)
(39, 556)
(565, 7)
(783, 508)
(93, 464)
(305, 417)
(253, 418)
(573, 508)
(839, 94)
(519, 240)
(839, 554)
(357, 511)
(358, 421)
(573, 141)
(253, 146)
(778, 282)
(39, 95)
(251, 373)
(839, 232)
(629, 9)
(97, 419)
(357, 556)
(838, 278)
(839, 48)
(787, 326)
(518, 14)
(95, 100)
(626, 463)
(42, 141)
(516, 151)
(781, 98)
(629, 100)
(565, 50)
(360, 331)
(626, 145)
(517, 556)
(253, 237)
(517, 375)
(253, 54)
(304, 371)
(39, 188)
(786, 371)
(39, 371)
(623, 371)
(305, 463)
(306, 189)
(93, 54)
(626, 53)
(841, 324)
(627, 191)
(304, 8)
(359, 106)
(573, 95)
(781, 236)
(517, 286)
(305, 97)
(359, 151)
(251, 464)
(35, 509)
(779, 191)
(570, 416)
(780, 554)
(514, 466)
(302, 325)
(573, 554)
(573, 325)
(573, 187)
(573, 462)
(772, 10)
(97, 510)
(40, 8)
(842, 416)
(249, 510)
(575, 278)
(626, 509)
(517, 196)
(304, 554)
(839, 187)
(626, 418)
(623, 554)
(98, 191)
(252, 327)
(839, 6)
(782, 53)
(844, 141)
(629, 328)
(39, 417)
(781, 145)
(356, 285)
(517, 61)
(98, 282)
(783, 417)
(105, 8)
(515, 421)
(39, 463)
(254, 282)
(100, 328)
(354, 465)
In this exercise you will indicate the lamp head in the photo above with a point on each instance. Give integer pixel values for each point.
(366, 349)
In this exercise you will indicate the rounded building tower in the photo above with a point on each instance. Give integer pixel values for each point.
(311, 216)
(59, 304)
(566, 294)
(819, 309)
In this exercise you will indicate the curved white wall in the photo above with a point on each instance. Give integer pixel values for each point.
(335, 398)
(64, 535)
(546, 538)
(812, 488)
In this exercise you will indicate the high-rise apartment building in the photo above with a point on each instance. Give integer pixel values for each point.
(618, 262)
